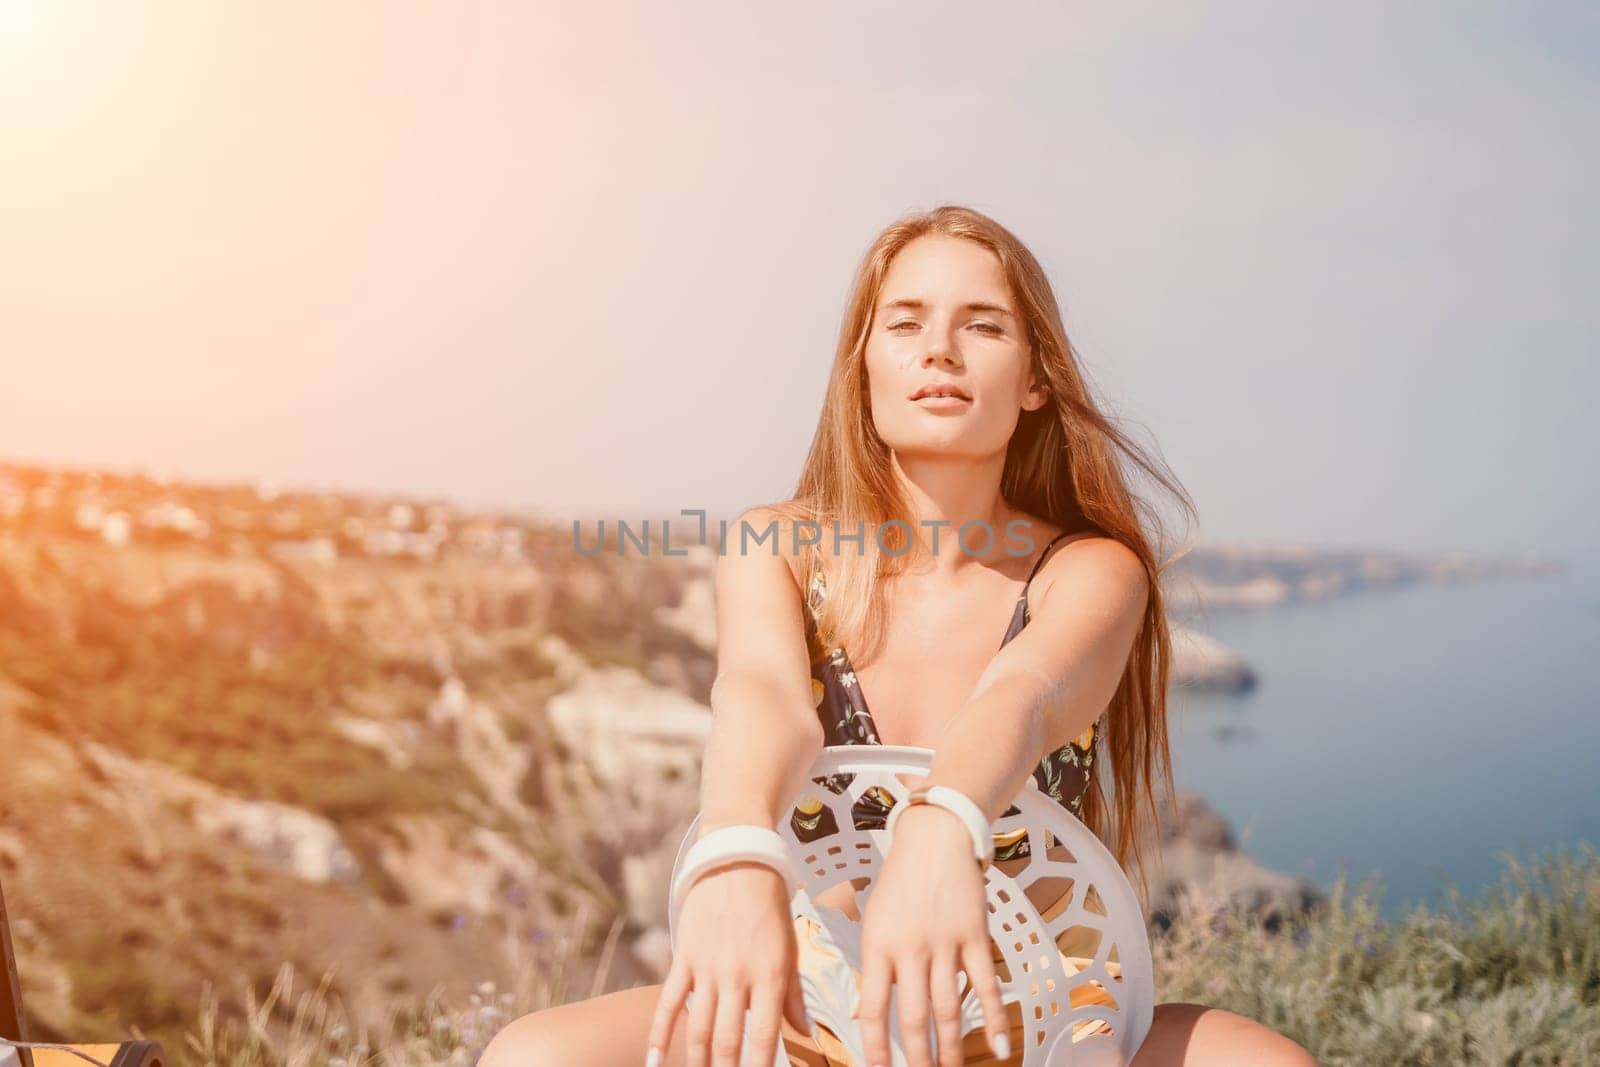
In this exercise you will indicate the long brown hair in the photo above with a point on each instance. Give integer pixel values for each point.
(1062, 464)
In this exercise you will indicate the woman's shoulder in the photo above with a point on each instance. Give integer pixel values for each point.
(771, 530)
(1049, 542)
(1083, 545)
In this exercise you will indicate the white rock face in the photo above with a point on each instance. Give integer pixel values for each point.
(569, 665)
(1200, 661)
(450, 705)
(475, 732)
(298, 841)
(441, 869)
(629, 731)
(305, 844)
(631, 772)
(396, 742)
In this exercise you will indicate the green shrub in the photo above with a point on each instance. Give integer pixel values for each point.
(1511, 977)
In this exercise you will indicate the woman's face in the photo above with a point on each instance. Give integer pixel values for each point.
(945, 317)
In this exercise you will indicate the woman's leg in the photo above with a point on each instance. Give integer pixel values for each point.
(607, 1031)
(1192, 1035)
(611, 1031)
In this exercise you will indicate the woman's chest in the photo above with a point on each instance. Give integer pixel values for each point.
(927, 669)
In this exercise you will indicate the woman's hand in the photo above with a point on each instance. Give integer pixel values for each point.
(925, 919)
(736, 949)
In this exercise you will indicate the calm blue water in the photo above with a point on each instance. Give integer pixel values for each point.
(1413, 733)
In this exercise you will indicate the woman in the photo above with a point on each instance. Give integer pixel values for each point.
(958, 436)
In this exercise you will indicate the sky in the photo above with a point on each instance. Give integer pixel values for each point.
(1336, 261)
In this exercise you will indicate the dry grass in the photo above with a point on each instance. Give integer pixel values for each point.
(1510, 978)
(312, 1028)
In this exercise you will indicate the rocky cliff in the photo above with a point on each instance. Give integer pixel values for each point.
(418, 769)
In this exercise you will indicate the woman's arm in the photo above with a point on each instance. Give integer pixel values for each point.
(1048, 684)
(765, 733)
(764, 737)
(1043, 688)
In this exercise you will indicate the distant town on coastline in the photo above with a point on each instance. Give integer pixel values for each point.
(262, 518)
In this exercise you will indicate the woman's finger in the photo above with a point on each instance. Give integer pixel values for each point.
(978, 961)
(673, 992)
(794, 1004)
(727, 1034)
(945, 1003)
(766, 1011)
(911, 994)
(702, 1013)
(873, 1008)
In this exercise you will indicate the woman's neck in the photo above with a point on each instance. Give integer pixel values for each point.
(946, 494)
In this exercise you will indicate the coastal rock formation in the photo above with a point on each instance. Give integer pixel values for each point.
(1200, 661)
(1262, 575)
(1200, 864)
(130, 887)
(627, 786)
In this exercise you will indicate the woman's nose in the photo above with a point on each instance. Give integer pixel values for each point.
(940, 350)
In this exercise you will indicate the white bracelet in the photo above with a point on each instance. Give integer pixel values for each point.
(735, 844)
(959, 804)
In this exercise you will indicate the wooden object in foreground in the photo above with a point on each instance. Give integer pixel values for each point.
(123, 1054)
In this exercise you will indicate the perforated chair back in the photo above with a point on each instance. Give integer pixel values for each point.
(1074, 954)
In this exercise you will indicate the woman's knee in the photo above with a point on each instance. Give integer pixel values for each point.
(609, 1029)
(1193, 1035)
(534, 1038)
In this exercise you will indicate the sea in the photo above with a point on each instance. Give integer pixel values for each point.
(1412, 736)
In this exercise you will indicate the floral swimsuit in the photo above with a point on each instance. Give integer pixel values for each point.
(1062, 775)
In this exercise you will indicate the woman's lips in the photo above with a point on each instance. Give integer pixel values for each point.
(942, 403)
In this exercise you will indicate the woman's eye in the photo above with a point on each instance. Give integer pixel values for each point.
(985, 327)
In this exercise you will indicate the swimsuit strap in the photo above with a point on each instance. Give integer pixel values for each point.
(1040, 562)
(816, 588)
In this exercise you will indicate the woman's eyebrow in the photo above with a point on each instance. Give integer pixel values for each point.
(975, 305)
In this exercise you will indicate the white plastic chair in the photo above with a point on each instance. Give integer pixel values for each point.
(1091, 940)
